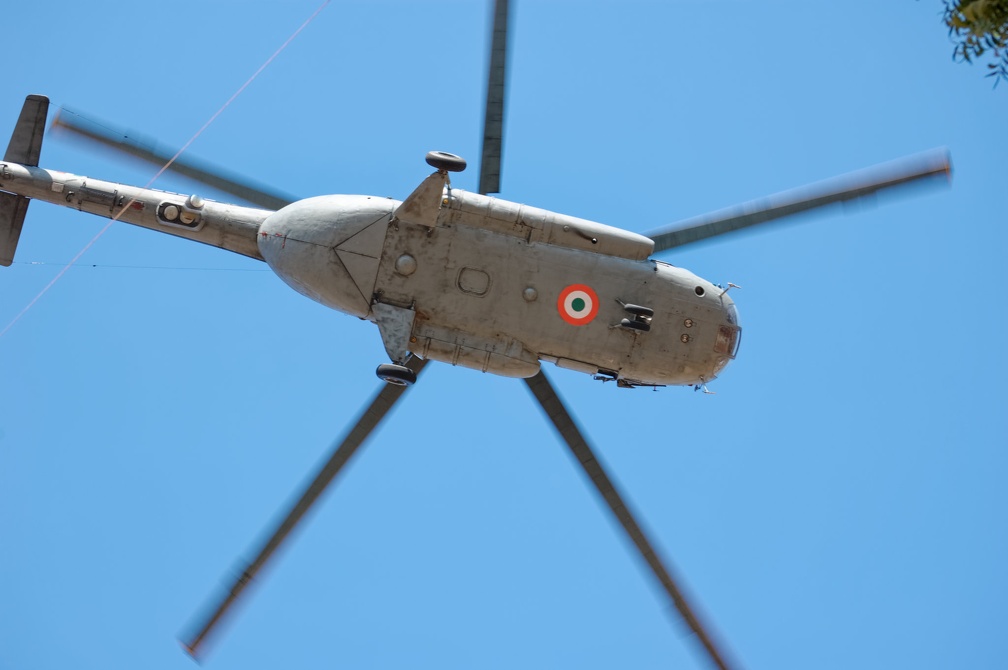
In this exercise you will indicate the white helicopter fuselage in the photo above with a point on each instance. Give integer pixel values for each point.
(454, 276)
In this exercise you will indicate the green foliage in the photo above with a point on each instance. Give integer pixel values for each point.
(979, 28)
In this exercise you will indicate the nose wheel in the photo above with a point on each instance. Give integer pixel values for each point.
(400, 375)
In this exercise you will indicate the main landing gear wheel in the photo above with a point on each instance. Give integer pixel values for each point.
(442, 160)
(400, 375)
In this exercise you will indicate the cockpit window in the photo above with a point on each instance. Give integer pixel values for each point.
(728, 339)
(732, 313)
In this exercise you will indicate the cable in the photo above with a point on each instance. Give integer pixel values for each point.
(185, 146)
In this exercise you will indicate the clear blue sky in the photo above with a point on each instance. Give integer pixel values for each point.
(839, 503)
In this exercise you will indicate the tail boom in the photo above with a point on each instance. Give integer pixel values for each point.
(230, 227)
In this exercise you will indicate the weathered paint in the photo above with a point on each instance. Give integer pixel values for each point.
(475, 281)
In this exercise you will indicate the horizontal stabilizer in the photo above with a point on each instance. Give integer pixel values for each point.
(12, 216)
(26, 142)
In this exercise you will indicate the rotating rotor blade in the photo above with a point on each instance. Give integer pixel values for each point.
(149, 151)
(849, 187)
(493, 121)
(367, 422)
(565, 425)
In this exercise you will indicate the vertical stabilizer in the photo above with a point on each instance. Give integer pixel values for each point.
(12, 216)
(26, 142)
(24, 148)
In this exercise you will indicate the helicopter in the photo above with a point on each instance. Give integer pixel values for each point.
(586, 296)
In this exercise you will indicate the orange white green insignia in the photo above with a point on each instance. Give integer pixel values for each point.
(578, 304)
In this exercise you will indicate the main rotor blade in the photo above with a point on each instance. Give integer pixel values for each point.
(493, 121)
(564, 423)
(367, 422)
(849, 187)
(149, 151)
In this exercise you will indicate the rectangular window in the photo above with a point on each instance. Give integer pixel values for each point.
(727, 341)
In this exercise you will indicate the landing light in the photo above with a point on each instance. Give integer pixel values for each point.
(171, 213)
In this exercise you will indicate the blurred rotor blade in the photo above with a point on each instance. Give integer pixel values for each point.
(367, 422)
(564, 423)
(149, 151)
(846, 188)
(493, 122)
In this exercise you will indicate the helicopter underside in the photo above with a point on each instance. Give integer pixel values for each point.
(476, 297)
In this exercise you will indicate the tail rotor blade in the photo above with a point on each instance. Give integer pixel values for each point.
(854, 186)
(493, 123)
(555, 410)
(366, 424)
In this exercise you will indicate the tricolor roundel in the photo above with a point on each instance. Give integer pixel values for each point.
(578, 304)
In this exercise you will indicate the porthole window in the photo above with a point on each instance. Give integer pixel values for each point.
(473, 281)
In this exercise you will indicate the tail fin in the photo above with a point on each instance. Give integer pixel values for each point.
(12, 215)
(26, 142)
(24, 148)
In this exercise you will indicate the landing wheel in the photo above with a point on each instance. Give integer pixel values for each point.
(400, 375)
(442, 160)
(636, 325)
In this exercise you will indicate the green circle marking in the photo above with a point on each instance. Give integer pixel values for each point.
(578, 304)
